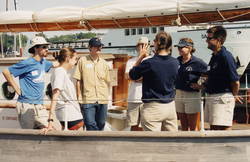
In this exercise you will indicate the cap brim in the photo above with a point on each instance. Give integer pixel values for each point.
(179, 45)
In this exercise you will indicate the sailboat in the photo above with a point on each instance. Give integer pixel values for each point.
(27, 145)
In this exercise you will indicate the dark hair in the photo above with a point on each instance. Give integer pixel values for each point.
(32, 50)
(219, 32)
(189, 41)
(164, 42)
(63, 54)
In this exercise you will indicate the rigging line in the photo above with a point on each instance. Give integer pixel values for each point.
(82, 22)
(149, 20)
(60, 26)
(120, 100)
(230, 17)
(220, 14)
(186, 19)
(90, 24)
(33, 18)
(117, 22)
(32, 27)
(7, 28)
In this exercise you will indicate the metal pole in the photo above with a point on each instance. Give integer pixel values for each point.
(19, 35)
(66, 116)
(2, 45)
(246, 82)
(202, 115)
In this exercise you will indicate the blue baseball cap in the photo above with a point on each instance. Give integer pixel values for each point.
(183, 43)
(95, 42)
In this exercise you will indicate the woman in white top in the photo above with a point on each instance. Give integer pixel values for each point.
(64, 90)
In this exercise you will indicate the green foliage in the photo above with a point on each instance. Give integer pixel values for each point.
(9, 39)
(71, 37)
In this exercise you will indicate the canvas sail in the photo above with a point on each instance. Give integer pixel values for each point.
(126, 14)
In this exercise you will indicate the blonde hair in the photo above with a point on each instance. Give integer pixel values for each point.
(64, 53)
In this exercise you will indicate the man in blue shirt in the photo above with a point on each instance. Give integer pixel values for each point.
(31, 72)
(222, 82)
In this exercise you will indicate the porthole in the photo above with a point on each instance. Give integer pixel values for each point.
(49, 91)
(8, 91)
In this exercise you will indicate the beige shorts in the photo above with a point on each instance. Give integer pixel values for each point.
(157, 116)
(31, 116)
(133, 113)
(219, 109)
(187, 102)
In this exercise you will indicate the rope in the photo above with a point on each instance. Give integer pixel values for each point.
(178, 20)
(149, 20)
(122, 100)
(33, 18)
(60, 26)
(32, 28)
(83, 22)
(8, 28)
(116, 22)
(221, 14)
(186, 19)
(90, 24)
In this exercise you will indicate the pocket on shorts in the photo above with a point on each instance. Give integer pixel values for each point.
(41, 111)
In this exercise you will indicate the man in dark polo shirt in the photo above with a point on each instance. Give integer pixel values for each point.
(222, 82)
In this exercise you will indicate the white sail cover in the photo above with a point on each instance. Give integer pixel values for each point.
(120, 9)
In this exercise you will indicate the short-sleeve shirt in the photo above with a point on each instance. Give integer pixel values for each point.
(31, 79)
(94, 77)
(221, 72)
(61, 80)
(135, 88)
(159, 74)
(190, 72)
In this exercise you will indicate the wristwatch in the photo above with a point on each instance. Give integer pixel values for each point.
(50, 120)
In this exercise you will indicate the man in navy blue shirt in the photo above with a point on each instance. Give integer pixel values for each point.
(222, 82)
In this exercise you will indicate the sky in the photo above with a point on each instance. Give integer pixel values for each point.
(39, 5)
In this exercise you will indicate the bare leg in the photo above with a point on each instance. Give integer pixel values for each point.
(184, 121)
(192, 121)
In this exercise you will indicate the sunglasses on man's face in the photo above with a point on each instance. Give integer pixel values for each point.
(209, 38)
(44, 47)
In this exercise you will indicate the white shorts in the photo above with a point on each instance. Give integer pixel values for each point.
(219, 109)
(187, 102)
(157, 116)
(31, 116)
(133, 113)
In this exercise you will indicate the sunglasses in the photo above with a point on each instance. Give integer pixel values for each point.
(44, 47)
(209, 38)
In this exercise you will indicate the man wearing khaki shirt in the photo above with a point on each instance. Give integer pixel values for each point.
(92, 74)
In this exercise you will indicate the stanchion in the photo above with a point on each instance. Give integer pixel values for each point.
(202, 114)
(66, 116)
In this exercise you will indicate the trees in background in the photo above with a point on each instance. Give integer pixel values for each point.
(9, 39)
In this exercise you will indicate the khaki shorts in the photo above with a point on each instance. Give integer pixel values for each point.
(219, 109)
(31, 116)
(187, 102)
(133, 113)
(157, 116)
